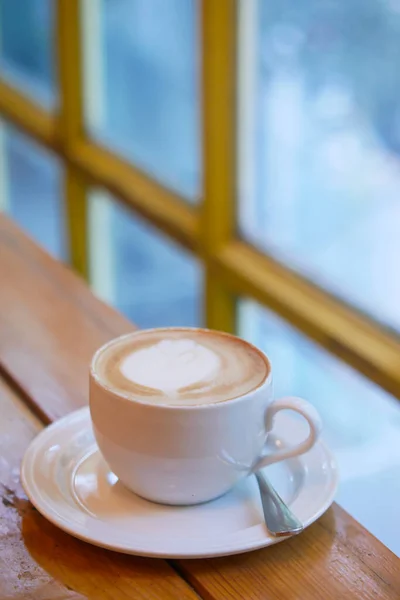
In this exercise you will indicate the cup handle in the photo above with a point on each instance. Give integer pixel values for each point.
(308, 412)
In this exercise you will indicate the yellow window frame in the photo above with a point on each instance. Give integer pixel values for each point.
(232, 267)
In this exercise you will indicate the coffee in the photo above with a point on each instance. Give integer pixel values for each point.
(178, 366)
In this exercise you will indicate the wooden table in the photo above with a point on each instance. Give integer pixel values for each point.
(50, 324)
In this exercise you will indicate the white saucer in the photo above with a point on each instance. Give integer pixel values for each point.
(67, 480)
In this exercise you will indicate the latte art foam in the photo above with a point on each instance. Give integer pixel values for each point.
(171, 365)
(181, 366)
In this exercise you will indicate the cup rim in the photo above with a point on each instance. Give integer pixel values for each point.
(174, 407)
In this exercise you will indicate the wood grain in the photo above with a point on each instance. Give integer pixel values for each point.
(47, 311)
(20, 575)
(39, 561)
(318, 564)
(336, 558)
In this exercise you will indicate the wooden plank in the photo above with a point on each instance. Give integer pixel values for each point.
(47, 311)
(20, 575)
(40, 562)
(336, 553)
(333, 559)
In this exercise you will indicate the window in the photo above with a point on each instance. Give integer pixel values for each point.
(246, 148)
(141, 272)
(27, 54)
(31, 189)
(142, 60)
(319, 125)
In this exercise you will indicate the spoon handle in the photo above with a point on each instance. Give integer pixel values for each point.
(279, 519)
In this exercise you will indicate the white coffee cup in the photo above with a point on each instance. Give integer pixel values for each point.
(190, 454)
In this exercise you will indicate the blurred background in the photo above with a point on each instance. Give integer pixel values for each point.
(149, 142)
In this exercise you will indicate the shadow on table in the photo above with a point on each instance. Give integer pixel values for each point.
(85, 568)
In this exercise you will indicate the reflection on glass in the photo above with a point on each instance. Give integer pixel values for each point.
(142, 96)
(32, 189)
(27, 53)
(361, 421)
(139, 270)
(320, 127)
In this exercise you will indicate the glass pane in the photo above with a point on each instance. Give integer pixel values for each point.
(319, 113)
(27, 47)
(139, 270)
(361, 421)
(32, 189)
(141, 79)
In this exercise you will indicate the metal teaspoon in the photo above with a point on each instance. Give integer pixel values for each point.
(279, 519)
